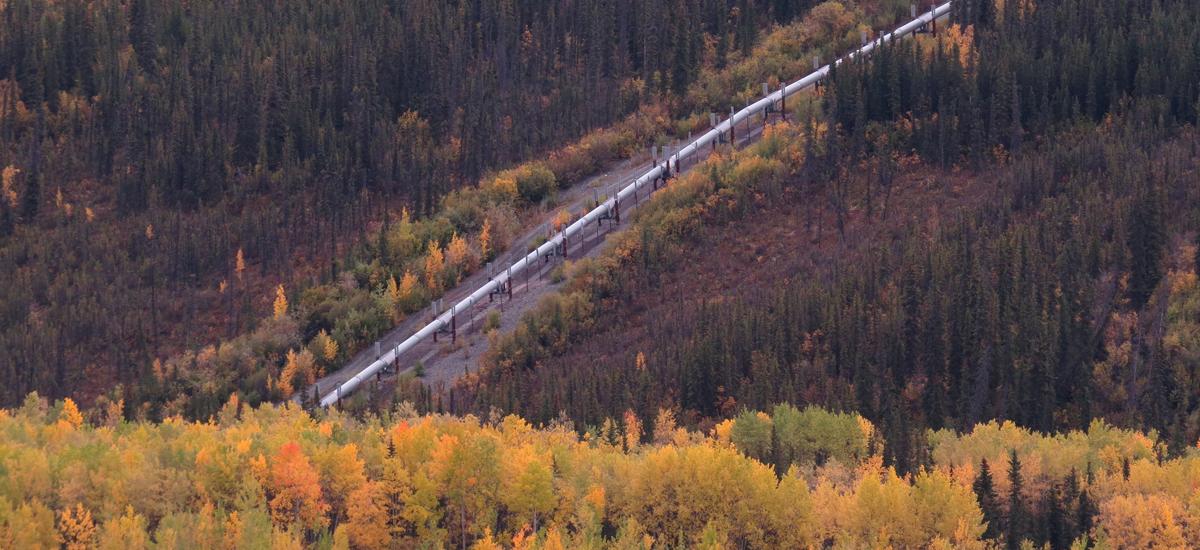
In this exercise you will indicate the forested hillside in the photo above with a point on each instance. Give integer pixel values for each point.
(997, 223)
(167, 164)
(950, 300)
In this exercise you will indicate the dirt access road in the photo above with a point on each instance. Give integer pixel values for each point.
(450, 357)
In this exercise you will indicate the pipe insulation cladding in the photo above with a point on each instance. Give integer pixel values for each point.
(670, 167)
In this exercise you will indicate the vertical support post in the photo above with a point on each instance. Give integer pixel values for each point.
(712, 123)
(453, 328)
(783, 101)
(509, 283)
(732, 137)
(617, 208)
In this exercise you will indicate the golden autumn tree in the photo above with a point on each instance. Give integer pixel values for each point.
(295, 490)
(299, 369)
(70, 414)
(239, 264)
(664, 426)
(341, 471)
(29, 525)
(408, 291)
(127, 532)
(281, 302)
(8, 191)
(633, 430)
(457, 254)
(234, 527)
(527, 488)
(485, 240)
(435, 265)
(1144, 521)
(77, 531)
(367, 526)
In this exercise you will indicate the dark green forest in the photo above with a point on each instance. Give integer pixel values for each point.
(144, 144)
(1063, 291)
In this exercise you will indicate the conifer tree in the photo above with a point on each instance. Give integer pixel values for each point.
(986, 493)
(1196, 256)
(1015, 529)
(1147, 239)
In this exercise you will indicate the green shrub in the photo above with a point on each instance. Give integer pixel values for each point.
(492, 322)
(535, 182)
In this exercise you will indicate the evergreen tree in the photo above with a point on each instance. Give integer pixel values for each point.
(1054, 531)
(6, 218)
(1196, 257)
(986, 493)
(1015, 529)
(1147, 238)
(1086, 511)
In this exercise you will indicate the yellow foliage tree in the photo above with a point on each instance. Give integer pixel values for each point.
(127, 532)
(70, 413)
(664, 426)
(327, 345)
(233, 531)
(393, 289)
(633, 430)
(299, 369)
(485, 240)
(76, 530)
(239, 264)
(408, 289)
(435, 264)
(367, 526)
(8, 190)
(528, 484)
(456, 252)
(342, 473)
(1141, 521)
(281, 302)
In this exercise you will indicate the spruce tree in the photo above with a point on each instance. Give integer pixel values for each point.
(985, 491)
(6, 219)
(1146, 240)
(1196, 258)
(1054, 531)
(1085, 512)
(1016, 509)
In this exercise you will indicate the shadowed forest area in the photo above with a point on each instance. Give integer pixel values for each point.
(167, 164)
